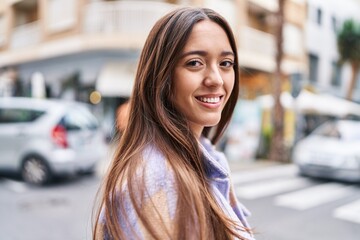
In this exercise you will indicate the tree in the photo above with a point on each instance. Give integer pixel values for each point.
(277, 148)
(348, 41)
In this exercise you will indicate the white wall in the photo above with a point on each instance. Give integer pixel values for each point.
(321, 40)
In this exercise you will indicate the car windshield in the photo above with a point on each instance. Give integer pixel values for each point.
(342, 130)
(328, 129)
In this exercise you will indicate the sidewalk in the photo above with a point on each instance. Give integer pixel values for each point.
(243, 165)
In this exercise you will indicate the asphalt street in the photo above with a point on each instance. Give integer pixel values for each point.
(284, 205)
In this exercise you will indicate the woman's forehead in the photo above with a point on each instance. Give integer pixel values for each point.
(207, 34)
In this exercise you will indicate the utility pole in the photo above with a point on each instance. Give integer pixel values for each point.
(277, 148)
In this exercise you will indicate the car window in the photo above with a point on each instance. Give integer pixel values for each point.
(79, 118)
(328, 130)
(17, 115)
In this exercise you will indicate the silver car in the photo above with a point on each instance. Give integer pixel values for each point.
(41, 138)
(331, 151)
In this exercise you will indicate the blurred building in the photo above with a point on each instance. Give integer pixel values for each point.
(87, 50)
(324, 20)
(78, 44)
(257, 40)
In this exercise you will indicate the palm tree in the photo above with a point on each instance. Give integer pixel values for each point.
(348, 41)
(277, 149)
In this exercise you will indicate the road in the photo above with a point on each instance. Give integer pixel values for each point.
(56, 212)
(284, 206)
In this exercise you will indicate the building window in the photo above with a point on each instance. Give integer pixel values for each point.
(313, 68)
(319, 16)
(335, 73)
(25, 12)
(334, 23)
(296, 80)
(315, 14)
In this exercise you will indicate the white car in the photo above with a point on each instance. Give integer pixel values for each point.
(331, 151)
(41, 138)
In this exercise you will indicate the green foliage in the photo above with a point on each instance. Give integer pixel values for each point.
(348, 41)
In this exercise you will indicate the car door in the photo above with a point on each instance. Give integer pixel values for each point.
(9, 141)
(14, 123)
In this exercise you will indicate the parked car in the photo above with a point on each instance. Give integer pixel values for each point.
(41, 138)
(331, 151)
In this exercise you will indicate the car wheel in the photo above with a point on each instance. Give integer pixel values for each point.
(35, 171)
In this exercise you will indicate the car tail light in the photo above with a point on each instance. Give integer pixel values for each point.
(59, 136)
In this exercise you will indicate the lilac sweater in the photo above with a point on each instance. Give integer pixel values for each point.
(162, 197)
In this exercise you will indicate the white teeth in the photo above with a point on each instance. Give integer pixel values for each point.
(210, 100)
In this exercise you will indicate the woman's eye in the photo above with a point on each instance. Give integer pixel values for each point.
(194, 63)
(227, 63)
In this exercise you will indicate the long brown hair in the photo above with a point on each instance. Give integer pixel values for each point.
(154, 119)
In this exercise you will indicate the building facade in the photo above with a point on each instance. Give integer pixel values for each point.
(75, 48)
(74, 44)
(257, 42)
(324, 20)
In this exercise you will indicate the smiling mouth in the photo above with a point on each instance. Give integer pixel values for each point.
(209, 99)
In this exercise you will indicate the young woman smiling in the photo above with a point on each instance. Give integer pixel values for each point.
(167, 181)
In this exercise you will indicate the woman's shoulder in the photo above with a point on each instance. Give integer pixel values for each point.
(155, 169)
(153, 160)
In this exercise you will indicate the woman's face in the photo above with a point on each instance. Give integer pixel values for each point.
(204, 76)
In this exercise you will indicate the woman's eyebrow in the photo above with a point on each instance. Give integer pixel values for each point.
(227, 53)
(204, 53)
(195, 52)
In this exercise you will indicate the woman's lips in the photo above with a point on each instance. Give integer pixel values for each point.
(210, 101)
(213, 100)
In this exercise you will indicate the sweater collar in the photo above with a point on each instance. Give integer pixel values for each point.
(212, 160)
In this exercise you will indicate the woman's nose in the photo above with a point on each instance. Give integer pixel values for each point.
(213, 77)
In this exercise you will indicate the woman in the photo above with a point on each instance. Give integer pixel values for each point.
(167, 181)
